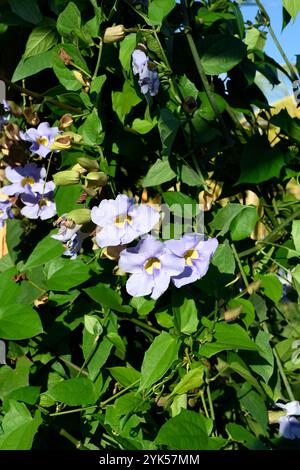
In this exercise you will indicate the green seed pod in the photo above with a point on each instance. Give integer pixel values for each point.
(88, 164)
(79, 216)
(64, 178)
(96, 179)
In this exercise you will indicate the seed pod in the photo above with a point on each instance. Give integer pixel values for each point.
(64, 178)
(65, 121)
(62, 142)
(232, 313)
(12, 131)
(79, 169)
(88, 164)
(31, 116)
(114, 34)
(79, 216)
(96, 179)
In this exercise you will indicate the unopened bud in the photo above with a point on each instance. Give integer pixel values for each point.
(88, 164)
(114, 34)
(253, 286)
(189, 104)
(79, 169)
(31, 116)
(64, 178)
(232, 313)
(95, 179)
(79, 76)
(273, 416)
(65, 121)
(79, 216)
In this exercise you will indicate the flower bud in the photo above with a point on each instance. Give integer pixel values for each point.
(65, 121)
(64, 56)
(79, 169)
(95, 179)
(232, 313)
(79, 76)
(88, 164)
(31, 116)
(114, 34)
(79, 216)
(254, 286)
(64, 178)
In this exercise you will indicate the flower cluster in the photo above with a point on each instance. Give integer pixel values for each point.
(147, 72)
(151, 263)
(70, 235)
(41, 138)
(289, 426)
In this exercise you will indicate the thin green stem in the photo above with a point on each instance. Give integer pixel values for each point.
(142, 325)
(73, 366)
(204, 404)
(242, 271)
(87, 74)
(100, 46)
(78, 444)
(210, 402)
(272, 235)
(293, 75)
(89, 356)
(36, 286)
(281, 370)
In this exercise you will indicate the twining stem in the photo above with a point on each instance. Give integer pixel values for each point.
(73, 366)
(100, 46)
(271, 236)
(72, 439)
(202, 75)
(46, 99)
(101, 405)
(281, 370)
(237, 258)
(210, 402)
(142, 325)
(204, 404)
(293, 75)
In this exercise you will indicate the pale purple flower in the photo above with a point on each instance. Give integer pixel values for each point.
(42, 138)
(121, 220)
(71, 237)
(196, 253)
(20, 177)
(139, 61)
(39, 204)
(5, 211)
(148, 76)
(151, 266)
(289, 427)
(292, 408)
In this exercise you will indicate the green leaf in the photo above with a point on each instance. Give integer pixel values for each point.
(64, 274)
(142, 126)
(243, 224)
(69, 24)
(193, 379)
(41, 39)
(223, 258)
(246, 308)
(79, 391)
(92, 325)
(124, 375)
(271, 286)
(14, 234)
(240, 434)
(142, 305)
(91, 129)
(44, 251)
(185, 314)
(253, 402)
(19, 427)
(292, 7)
(228, 336)
(190, 177)
(121, 105)
(239, 366)
(225, 216)
(28, 394)
(296, 278)
(158, 359)
(181, 204)
(168, 126)
(14, 379)
(28, 10)
(260, 162)
(262, 363)
(66, 198)
(19, 322)
(296, 234)
(219, 53)
(158, 10)
(63, 73)
(255, 39)
(127, 47)
(159, 173)
(107, 297)
(188, 431)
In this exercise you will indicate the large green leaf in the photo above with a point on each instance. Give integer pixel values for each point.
(107, 297)
(123, 106)
(223, 258)
(219, 53)
(158, 10)
(243, 224)
(28, 10)
(32, 65)
(158, 359)
(19, 322)
(292, 7)
(14, 379)
(19, 427)
(41, 39)
(44, 251)
(188, 431)
(240, 434)
(168, 126)
(74, 392)
(64, 274)
(185, 314)
(180, 204)
(91, 129)
(193, 379)
(159, 173)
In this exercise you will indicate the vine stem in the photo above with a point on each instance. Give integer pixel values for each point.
(271, 236)
(101, 405)
(142, 325)
(240, 265)
(202, 75)
(72, 439)
(46, 99)
(100, 46)
(293, 76)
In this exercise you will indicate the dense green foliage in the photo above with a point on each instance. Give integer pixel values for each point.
(88, 365)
